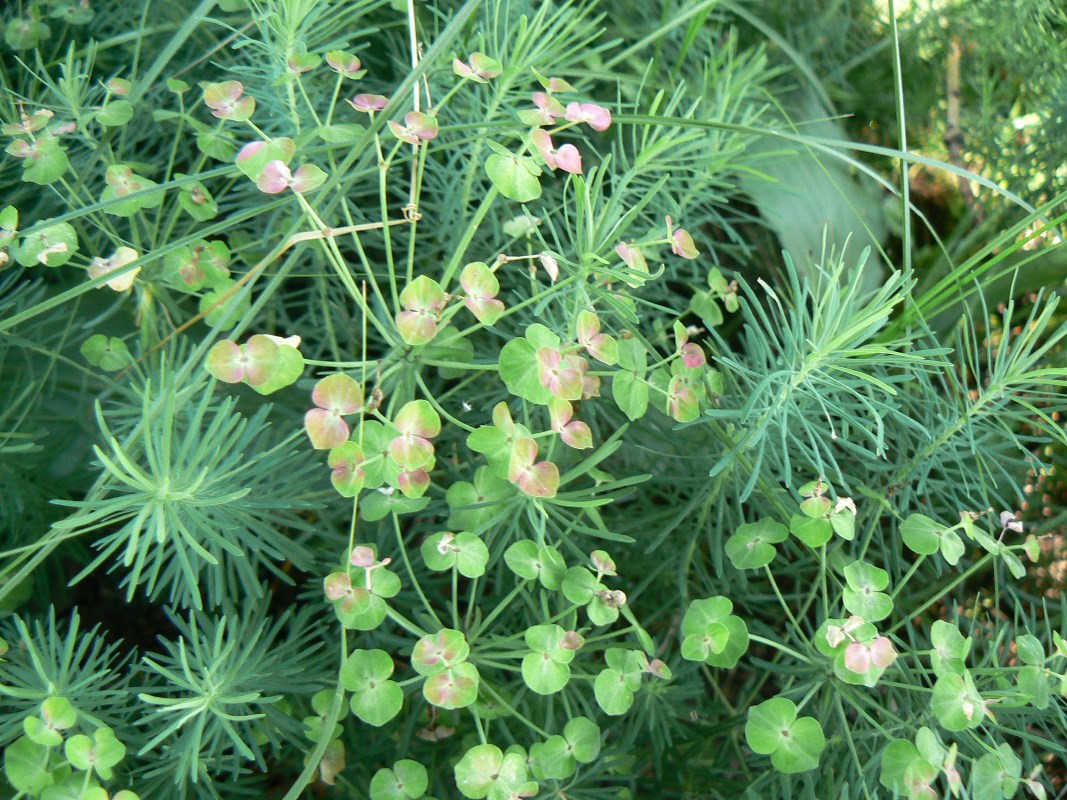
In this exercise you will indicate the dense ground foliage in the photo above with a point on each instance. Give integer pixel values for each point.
(511, 399)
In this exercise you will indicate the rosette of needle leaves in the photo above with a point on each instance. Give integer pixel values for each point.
(49, 658)
(217, 696)
(808, 385)
(37, 432)
(989, 420)
(195, 497)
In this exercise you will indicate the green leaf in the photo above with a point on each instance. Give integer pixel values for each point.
(1015, 566)
(518, 370)
(22, 33)
(752, 544)
(345, 133)
(53, 246)
(101, 753)
(630, 394)
(465, 551)
(47, 164)
(716, 610)
(950, 648)
(774, 729)
(376, 699)
(57, 714)
(580, 585)
(407, 780)
(475, 505)
(484, 769)
(956, 703)
(863, 596)
(529, 561)
(24, 766)
(995, 776)
(9, 224)
(1032, 682)
(285, 369)
(114, 113)
(378, 703)
(225, 306)
(215, 145)
(197, 202)
(613, 693)
(812, 532)
(543, 674)
(896, 759)
(108, 353)
(583, 739)
(1030, 649)
(122, 182)
(920, 534)
(378, 505)
(514, 176)
(552, 759)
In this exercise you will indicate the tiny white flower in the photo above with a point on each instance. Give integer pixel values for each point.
(292, 341)
(1009, 522)
(843, 503)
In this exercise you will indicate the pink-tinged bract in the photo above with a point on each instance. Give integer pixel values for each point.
(543, 142)
(682, 244)
(307, 178)
(559, 377)
(347, 474)
(549, 106)
(259, 354)
(540, 480)
(485, 67)
(411, 452)
(416, 327)
(596, 117)
(569, 159)
(572, 640)
(250, 150)
(418, 418)
(692, 355)
(120, 258)
(325, 429)
(226, 362)
(481, 69)
(362, 556)
(336, 585)
(502, 418)
(339, 393)
(883, 653)
(481, 286)
(423, 300)
(682, 402)
(275, 178)
(534, 479)
(414, 483)
(577, 435)
(368, 103)
(424, 126)
(225, 101)
(344, 64)
(858, 658)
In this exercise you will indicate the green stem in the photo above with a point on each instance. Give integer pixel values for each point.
(780, 647)
(411, 573)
